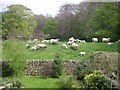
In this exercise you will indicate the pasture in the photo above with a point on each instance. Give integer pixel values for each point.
(51, 50)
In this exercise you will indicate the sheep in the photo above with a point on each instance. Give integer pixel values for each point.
(78, 40)
(46, 41)
(69, 42)
(94, 39)
(71, 39)
(41, 46)
(38, 46)
(27, 46)
(35, 40)
(74, 46)
(64, 46)
(54, 41)
(105, 39)
(82, 53)
(82, 41)
(109, 43)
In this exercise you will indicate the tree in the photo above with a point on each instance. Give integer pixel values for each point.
(18, 20)
(104, 21)
(50, 28)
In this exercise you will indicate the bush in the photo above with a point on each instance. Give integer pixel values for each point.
(57, 67)
(68, 82)
(14, 50)
(97, 80)
(17, 83)
(7, 70)
(82, 70)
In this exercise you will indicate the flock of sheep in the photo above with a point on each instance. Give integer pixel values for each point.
(72, 42)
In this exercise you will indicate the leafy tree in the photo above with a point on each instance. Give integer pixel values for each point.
(18, 20)
(104, 21)
(50, 28)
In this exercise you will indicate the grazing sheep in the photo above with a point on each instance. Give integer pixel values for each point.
(41, 46)
(69, 42)
(105, 39)
(38, 46)
(82, 41)
(118, 41)
(94, 39)
(64, 46)
(46, 41)
(27, 46)
(74, 46)
(71, 39)
(78, 40)
(82, 53)
(54, 41)
(35, 40)
(110, 43)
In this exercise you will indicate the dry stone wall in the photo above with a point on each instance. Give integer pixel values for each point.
(44, 67)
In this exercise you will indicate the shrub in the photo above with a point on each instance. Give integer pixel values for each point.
(57, 67)
(82, 70)
(14, 50)
(97, 80)
(17, 83)
(7, 70)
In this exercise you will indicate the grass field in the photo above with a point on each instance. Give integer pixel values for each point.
(65, 54)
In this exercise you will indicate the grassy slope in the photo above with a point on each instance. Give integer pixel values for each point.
(66, 54)
(38, 82)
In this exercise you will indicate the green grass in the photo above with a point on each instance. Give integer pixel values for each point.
(38, 82)
(66, 54)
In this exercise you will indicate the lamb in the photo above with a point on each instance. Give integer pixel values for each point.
(105, 39)
(74, 46)
(64, 46)
(71, 39)
(82, 53)
(94, 39)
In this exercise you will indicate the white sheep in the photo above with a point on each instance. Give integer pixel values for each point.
(54, 41)
(82, 41)
(69, 42)
(41, 46)
(71, 39)
(109, 43)
(82, 53)
(94, 39)
(64, 46)
(46, 41)
(27, 46)
(105, 39)
(74, 46)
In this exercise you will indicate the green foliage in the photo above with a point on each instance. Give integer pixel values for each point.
(97, 80)
(50, 28)
(14, 50)
(57, 67)
(104, 21)
(17, 83)
(82, 70)
(7, 70)
(18, 20)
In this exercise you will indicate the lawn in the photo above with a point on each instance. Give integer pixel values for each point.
(65, 54)
(39, 82)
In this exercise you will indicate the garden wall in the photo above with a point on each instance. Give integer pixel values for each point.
(44, 67)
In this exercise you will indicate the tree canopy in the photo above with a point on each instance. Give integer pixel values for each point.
(17, 21)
